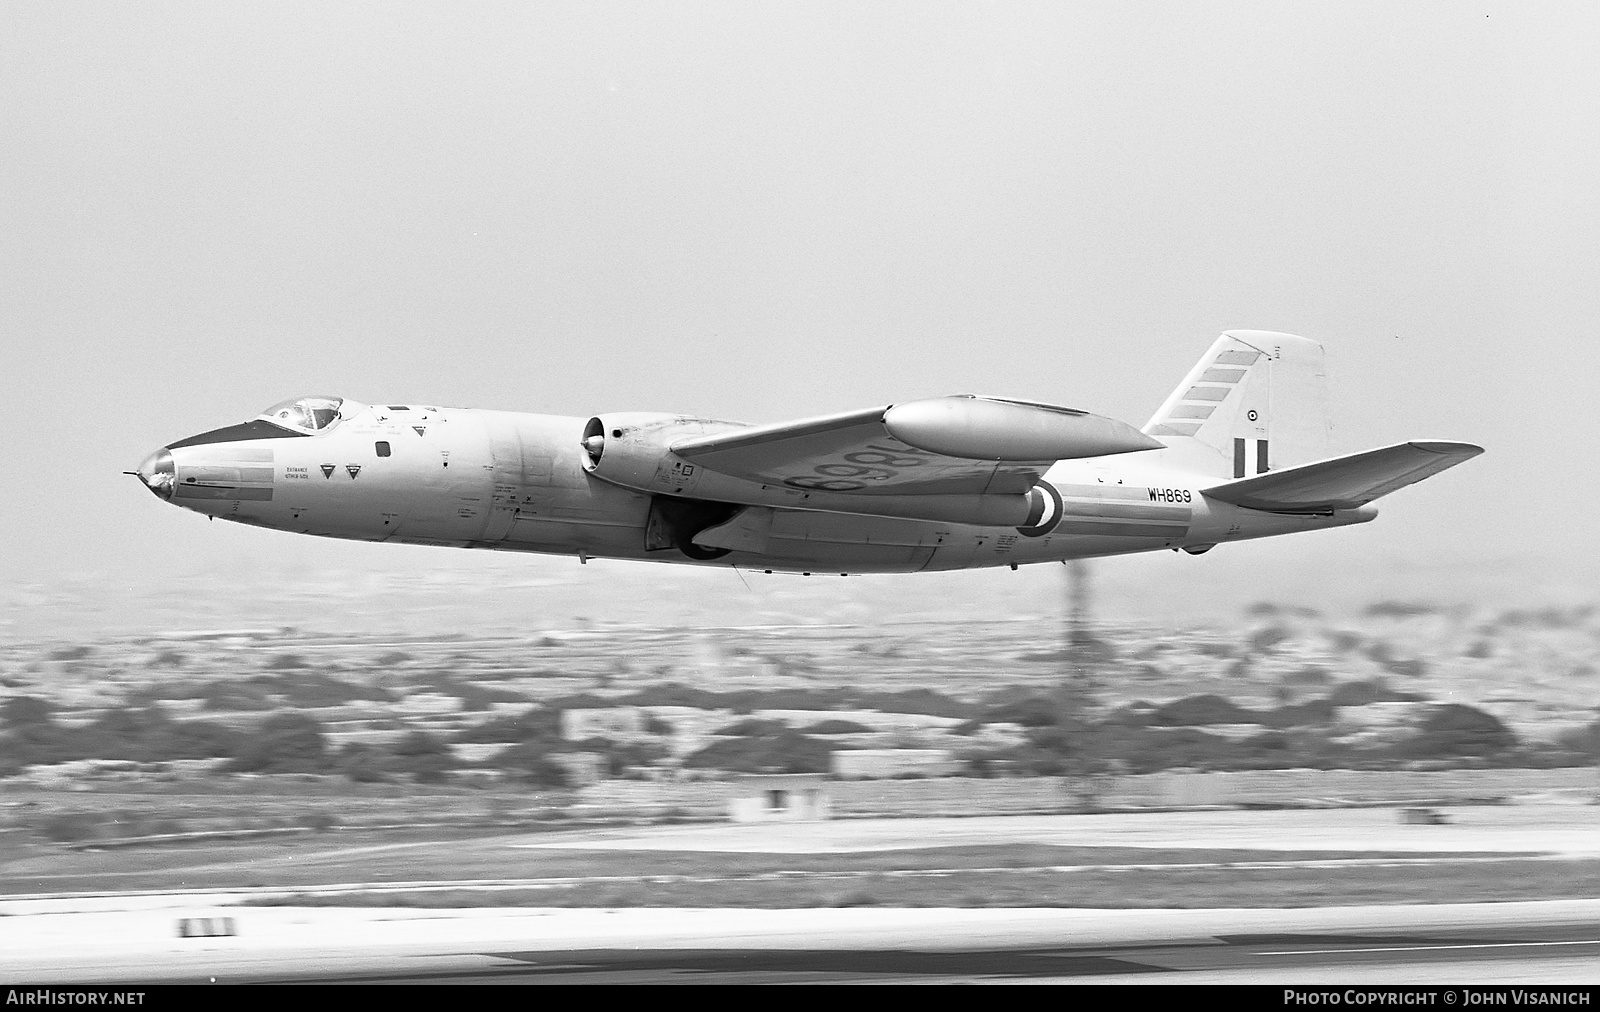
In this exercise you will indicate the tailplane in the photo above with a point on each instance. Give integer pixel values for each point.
(1255, 402)
(1344, 483)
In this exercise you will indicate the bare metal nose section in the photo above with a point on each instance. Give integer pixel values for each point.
(157, 473)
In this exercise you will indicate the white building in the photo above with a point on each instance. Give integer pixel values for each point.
(603, 722)
(779, 797)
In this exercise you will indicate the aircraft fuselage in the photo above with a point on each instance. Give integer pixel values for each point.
(508, 481)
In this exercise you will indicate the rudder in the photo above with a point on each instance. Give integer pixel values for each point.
(1255, 402)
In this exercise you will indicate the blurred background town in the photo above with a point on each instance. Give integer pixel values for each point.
(1060, 708)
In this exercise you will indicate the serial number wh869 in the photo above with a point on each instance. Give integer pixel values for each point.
(1171, 495)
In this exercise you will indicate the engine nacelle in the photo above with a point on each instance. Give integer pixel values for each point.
(632, 449)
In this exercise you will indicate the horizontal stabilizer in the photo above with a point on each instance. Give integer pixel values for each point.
(1344, 482)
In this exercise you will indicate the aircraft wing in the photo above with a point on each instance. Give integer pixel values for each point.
(963, 445)
(1344, 482)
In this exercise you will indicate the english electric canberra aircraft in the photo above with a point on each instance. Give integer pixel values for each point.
(1239, 450)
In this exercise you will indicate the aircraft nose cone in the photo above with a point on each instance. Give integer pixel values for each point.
(157, 473)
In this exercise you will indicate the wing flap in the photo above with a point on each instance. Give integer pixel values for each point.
(1344, 482)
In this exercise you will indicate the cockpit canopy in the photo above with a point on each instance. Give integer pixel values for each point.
(308, 414)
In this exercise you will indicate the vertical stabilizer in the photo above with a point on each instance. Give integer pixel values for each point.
(1257, 401)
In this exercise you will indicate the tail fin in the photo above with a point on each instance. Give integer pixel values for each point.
(1256, 402)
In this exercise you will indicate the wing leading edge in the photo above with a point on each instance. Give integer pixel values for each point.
(1344, 482)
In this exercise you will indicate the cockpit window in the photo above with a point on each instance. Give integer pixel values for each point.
(309, 414)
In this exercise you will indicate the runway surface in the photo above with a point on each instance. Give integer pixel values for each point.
(1532, 943)
(171, 937)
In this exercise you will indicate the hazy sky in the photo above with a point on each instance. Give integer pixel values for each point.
(766, 211)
